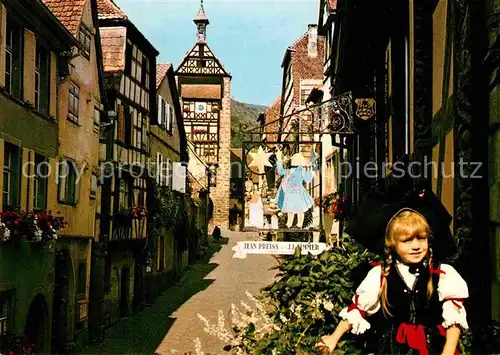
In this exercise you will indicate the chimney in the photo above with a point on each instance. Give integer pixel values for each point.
(312, 44)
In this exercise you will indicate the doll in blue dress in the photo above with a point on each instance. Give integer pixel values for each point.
(292, 197)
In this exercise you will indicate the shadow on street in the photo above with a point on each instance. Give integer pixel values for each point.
(142, 332)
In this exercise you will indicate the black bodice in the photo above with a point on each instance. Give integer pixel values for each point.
(412, 306)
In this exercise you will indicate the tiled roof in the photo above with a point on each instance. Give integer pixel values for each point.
(107, 9)
(206, 91)
(69, 12)
(201, 15)
(113, 41)
(161, 71)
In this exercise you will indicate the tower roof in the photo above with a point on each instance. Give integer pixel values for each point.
(201, 17)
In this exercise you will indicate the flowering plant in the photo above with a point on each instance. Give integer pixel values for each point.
(133, 212)
(48, 224)
(139, 212)
(36, 226)
(199, 131)
(336, 205)
(4, 233)
(12, 343)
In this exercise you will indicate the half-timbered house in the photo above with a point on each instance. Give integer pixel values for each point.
(205, 92)
(129, 61)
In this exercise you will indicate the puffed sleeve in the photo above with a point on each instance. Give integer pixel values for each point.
(452, 290)
(365, 302)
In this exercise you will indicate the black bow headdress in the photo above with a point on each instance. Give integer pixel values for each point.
(369, 221)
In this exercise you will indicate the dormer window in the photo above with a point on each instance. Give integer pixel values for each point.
(85, 39)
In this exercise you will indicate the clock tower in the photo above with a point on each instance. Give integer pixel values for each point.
(205, 93)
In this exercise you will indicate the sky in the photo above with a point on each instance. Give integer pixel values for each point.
(248, 36)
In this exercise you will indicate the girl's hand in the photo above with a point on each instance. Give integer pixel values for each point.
(327, 344)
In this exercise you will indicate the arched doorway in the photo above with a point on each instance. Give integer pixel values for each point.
(36, 326)
(60, 301)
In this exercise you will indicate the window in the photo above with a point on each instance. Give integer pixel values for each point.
(145, 73)
(68, 191)
(97, 119)
(163, 113)
(170, 119)
(128, 58)
(139, 130)
(144, 133)
(11, 176)
(134, 63)
(128, 125)
(93, 186)
(40, 182)
(82, 280)
(6, 303)
(85, 39)
(42, 80)
(124, 195)
(304, 93)
(14, 59)
(169, 173)
(73, 103)
(160, 173)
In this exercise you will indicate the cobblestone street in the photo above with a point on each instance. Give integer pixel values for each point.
(171, 323)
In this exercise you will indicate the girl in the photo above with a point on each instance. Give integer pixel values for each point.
(416, 306)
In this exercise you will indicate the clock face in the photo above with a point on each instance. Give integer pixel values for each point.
(201, 107)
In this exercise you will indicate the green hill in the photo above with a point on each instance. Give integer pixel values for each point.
(242, 113)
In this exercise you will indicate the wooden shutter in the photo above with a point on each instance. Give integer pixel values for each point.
(167, 124)
(160, 110)
(172, 119)
(121, 124)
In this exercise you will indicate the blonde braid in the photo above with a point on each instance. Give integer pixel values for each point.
(385, 272)
(430, 284)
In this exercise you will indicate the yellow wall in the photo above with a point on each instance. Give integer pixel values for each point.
(173, 140)
(3, 32)
(79, 142)
(439, 103)
(439, 23)
(29, 66)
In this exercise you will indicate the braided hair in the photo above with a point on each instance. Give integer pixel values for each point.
(405, 222)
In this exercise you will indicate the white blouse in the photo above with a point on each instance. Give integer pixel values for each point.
(451, 288)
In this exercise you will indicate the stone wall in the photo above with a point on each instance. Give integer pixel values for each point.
(220, 193)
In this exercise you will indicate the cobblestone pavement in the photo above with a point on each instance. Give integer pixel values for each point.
(172, 324)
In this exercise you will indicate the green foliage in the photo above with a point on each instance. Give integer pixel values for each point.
(305, 301)
(245, 114)
(486, 342)
(171, 212)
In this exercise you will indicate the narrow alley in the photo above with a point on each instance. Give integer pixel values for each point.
(171, 323)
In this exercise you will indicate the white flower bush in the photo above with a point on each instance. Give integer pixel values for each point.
(233, 334)
(4, 233)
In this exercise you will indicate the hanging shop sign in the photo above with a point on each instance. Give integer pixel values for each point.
(365, 108)
(281, 166)
(241, 249)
